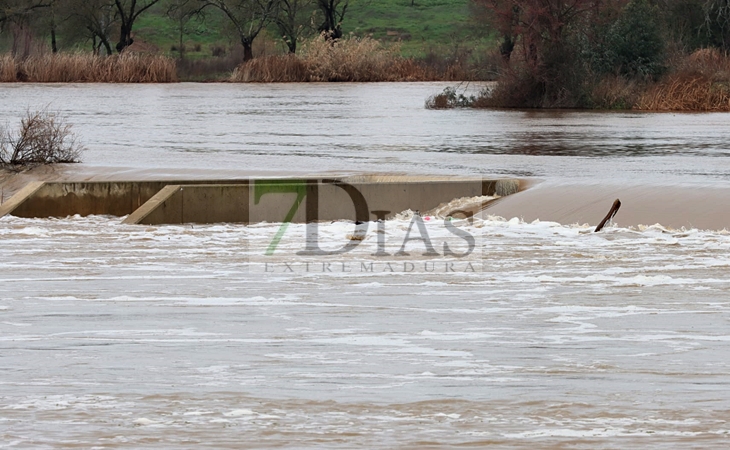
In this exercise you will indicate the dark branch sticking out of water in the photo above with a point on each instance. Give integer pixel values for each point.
(612, 212)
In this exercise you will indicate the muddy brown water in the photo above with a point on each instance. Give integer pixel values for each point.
(544, 335)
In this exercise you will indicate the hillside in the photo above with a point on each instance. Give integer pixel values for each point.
(441, 27)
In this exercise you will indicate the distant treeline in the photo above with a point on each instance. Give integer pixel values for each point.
(109, 25)
(655, 54)
(645, 54)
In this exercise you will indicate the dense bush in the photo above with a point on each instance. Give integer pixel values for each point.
(632, 45)
(577, 54)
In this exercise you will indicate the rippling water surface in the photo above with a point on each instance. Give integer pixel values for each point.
(543, 335)
(375, 127)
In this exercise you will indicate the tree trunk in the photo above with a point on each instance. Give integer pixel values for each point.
(54, 47)
(292, 45)
(247, 50)
(125, 37)
(331, 26)
(108, 47)
(505, 49)
(182, 49)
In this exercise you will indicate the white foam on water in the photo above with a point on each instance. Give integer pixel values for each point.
(170, 326)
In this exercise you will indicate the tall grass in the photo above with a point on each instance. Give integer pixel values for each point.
(351, 59)
(357, 59)
(698, 82)
(79, 67)
(8, 69)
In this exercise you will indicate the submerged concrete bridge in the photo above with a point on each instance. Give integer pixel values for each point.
(248, 200)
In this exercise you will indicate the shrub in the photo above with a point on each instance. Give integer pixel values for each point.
(699, 82)
(217, 51)
(633, 44)
(43, 138)
(352, 59)
(450, 98)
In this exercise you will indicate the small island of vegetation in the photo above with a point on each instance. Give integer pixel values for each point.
(660, 55)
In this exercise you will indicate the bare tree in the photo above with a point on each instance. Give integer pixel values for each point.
(248, 17)
(334, 13)
(18, 15)
(94, 20)
(182, 12)
(294, 21)
(43, 138)
(128, 11)
(538, 24)
(717, 22)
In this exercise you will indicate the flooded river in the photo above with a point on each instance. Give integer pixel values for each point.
(522, 335)
(371, 128)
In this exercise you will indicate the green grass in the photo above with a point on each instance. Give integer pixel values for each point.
(157, 29)
(438, 26)
(429, 25)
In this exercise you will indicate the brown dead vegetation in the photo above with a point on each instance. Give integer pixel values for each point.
(80, 68)
(352, 59)
(698, 82)
(42, 138)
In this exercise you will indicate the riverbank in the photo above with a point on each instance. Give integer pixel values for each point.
(88, 68)
(350, 59)
(697, 82)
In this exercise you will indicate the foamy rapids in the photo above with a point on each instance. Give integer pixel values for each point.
(114, 335)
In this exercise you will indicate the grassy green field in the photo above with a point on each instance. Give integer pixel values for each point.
(429, 26)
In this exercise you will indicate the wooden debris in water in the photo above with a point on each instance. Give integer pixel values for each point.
(612, 212)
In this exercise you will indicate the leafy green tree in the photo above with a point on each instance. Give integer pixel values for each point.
(633, 45)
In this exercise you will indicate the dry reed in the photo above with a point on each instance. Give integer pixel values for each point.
(8, 70)
(615, 92)
(77, 67)
(352, 59)
(699, 82)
